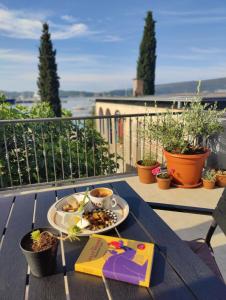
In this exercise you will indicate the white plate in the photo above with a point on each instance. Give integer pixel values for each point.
(121, 210)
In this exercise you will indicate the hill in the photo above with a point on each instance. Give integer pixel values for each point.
(209, 86)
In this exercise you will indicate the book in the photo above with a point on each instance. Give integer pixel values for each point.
(117, 258)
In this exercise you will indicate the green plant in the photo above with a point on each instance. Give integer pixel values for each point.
(221, 172)
(161, 172)
(147, 56)
(210, 175)
(188, 132)
(48, 80)
(57, 146)
(148, 160)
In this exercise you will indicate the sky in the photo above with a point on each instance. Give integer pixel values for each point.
(97, 42)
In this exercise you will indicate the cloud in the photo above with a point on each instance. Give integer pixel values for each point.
(193, 16)
(207, 51)
(111, 38)
(68, 18)
(16, 56)
(196, 54)
(25, 25)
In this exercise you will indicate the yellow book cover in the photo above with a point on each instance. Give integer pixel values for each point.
(117, 258)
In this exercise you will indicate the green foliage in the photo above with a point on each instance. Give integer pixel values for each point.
(148, 160)
(209, 175)
(187, 132)
(147, 57)
(36, 236)
(48, 81)
(61, 145)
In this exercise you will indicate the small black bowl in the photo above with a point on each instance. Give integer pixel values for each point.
(41, 263)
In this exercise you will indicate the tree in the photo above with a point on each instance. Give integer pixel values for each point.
(147, 57)
(48, 80)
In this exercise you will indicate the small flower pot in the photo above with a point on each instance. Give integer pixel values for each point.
(163, 183)
(208, 184)
(145, 174)
(42, 263)
(221, 180)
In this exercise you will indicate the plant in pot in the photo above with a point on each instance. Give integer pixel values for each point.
(163, 177)
(185, 137)
(209, 179)
(221, 178)
(145, 167)
(40, 245)
(40, 249)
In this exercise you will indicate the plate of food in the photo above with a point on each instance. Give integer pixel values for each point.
(80, 210)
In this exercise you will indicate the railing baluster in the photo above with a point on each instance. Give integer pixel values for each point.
(69, 153)
(85, 146)
(157, 142)
(150, 138)
(130, 142)
(77, 148)
(137, 138)
(7, 156)
(26, 155)
(53, 156)
(17, 156)
(44, 154)
(116, 141)
(35, 153)
(61, 153)
(144, 139)
(123, 147)
(93, 150)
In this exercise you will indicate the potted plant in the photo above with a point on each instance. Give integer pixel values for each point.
(163, 178)
(221, 178)
(184, 137)
(40, 249)
(144, 168)
(209, 179)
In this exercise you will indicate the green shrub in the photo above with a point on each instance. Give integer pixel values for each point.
(37, 150)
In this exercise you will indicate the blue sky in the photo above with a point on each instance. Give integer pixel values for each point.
(98, 41)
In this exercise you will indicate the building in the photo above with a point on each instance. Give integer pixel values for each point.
(122, 132)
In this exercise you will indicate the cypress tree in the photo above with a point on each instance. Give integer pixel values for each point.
(147, 58)
(48, 80)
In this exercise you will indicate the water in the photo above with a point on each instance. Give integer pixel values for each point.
(79, 106)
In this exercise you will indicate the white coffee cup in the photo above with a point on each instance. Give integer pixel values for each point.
(102, 198)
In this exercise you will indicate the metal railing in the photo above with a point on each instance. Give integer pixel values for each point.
(56, 150)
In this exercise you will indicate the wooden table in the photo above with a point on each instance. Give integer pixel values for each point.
(177, 272)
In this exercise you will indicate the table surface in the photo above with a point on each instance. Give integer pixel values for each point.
(177, 273)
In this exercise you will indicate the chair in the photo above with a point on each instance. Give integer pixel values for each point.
(202, 246)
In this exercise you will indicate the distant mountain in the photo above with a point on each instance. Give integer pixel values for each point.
(209, 86)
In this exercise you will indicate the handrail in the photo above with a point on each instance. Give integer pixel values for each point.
(3, 122)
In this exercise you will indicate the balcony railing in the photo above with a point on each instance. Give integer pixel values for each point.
(55, 150)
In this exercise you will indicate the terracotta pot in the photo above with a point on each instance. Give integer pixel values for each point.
(163, 183)
(207, 184)
(187, 168)
(221, 180)
(144, 172)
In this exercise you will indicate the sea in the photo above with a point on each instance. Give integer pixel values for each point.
(79, 106)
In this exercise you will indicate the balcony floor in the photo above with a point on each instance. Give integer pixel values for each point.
(187, 226)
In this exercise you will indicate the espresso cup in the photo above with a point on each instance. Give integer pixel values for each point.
(102, 198)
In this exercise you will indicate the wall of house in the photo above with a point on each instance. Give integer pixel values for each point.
(123, 134)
